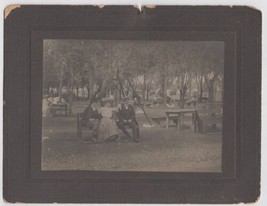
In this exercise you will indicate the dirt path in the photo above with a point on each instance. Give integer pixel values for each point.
(160, 150)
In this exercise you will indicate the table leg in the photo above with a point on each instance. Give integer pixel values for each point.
(195, 121)
(178, 121)
(181, 120)
(167, 121)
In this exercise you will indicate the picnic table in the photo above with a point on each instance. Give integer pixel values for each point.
(178, 113)
(62, 107)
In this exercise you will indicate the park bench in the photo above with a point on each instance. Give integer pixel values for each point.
(59, 109)
(208, 117)
(80, 128)
(147, 104)
(162, 119)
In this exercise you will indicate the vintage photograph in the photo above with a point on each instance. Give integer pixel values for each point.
(131, 105)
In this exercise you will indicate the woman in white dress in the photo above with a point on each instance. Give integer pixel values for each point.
(107, 130)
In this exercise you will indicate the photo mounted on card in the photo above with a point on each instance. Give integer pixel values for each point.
(115, 105)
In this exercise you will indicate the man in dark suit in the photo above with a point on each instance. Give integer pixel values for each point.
(91, 118)
(126, 117)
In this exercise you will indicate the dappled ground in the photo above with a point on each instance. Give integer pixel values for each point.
(160, 150)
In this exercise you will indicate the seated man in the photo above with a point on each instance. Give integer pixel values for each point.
(126, 116)
(91, 118)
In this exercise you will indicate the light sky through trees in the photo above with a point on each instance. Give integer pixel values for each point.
(150, 65)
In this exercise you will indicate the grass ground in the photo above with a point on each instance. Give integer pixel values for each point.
(161, 149)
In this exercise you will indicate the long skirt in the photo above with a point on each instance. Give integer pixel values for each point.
(107, 128)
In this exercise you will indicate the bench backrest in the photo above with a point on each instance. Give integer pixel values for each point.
(208, 109)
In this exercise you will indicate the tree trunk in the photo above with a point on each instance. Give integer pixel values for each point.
(215, 92)
(88, 92)
(91, 84)
(211, 100)
(68, 87)
(165, 89)
(211, 91)
(211, 94)
(91, 88)
(77, 93)
(71, 93)
(60, 84)
(116, 97)
(144, 88)
(182, 96)
(147, 93)
(190, 88)
(201, 89)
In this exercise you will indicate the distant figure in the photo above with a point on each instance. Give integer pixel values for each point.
(63, 100)
(203, 99)
(56, 100)
(91, 118)
(168, 100)
(137, 100)
(192, 101)
(170, 105)
(107, 130)
(126, 117)
(50, 99)
(45, 106)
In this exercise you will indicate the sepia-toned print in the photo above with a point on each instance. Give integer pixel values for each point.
(130, 105)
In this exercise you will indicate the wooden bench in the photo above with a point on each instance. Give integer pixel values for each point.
(208, 115)
(80, 128)
(159, 120)
(62, 108)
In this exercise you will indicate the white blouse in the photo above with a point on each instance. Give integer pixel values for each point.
(107, 111)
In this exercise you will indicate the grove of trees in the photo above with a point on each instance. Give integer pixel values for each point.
(150, 65)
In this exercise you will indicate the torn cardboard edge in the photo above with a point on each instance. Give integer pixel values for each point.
(137, 6)
(10, 8)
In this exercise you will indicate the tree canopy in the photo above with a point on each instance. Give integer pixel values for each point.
(150, 65)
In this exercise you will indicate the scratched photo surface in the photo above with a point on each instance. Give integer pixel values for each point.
(132, 105)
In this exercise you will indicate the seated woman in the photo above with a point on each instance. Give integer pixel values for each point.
(107, 130)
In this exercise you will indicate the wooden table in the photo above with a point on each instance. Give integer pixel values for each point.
(60, 107)
(179, 113)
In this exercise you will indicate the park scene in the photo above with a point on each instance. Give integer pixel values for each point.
(131, 105)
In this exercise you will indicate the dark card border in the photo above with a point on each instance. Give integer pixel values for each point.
(238, 27)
